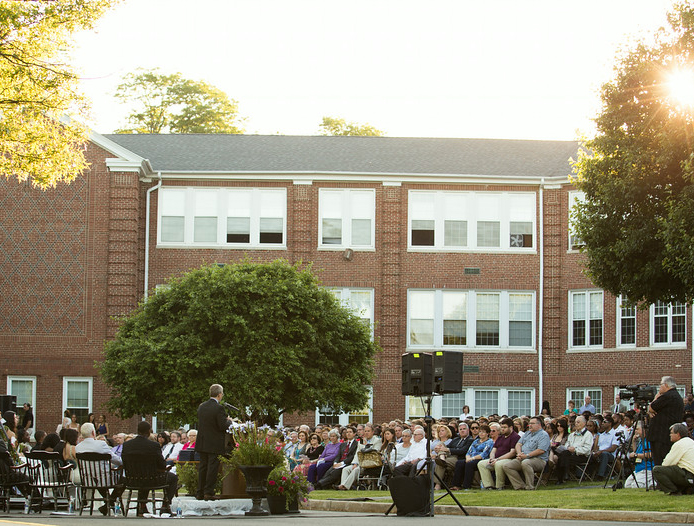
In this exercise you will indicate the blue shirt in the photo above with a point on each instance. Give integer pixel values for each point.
(538, 440)
(481, 448)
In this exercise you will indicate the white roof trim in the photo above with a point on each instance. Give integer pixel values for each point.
(125, 161)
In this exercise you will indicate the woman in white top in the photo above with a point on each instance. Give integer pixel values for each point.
(465, 414)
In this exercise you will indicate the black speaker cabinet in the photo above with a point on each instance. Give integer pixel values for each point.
(448, 372)
(417, 374)
(8, 403)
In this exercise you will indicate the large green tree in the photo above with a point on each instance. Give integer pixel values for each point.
(637, 222)
(173, 104)
(276, 340)
(38, 89)
(337, 126)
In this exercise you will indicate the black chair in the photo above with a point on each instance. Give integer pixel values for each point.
(49, 477)
(142, 475)
(97, 478)
(11, 477)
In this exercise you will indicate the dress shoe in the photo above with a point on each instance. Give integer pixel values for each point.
(141, 510)
(440, 462)
(165, 509)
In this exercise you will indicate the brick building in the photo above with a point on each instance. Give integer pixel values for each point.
(460, 244)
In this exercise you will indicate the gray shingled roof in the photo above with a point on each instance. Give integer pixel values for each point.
(388, 155)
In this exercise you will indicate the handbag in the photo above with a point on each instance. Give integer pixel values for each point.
(370, 459)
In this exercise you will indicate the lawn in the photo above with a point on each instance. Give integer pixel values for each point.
(569, 496)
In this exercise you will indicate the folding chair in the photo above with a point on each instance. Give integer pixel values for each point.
(141, 475)
(544, 475)
(49, 478)
(97, 477)
(371, 469)
(10, 477)
(584, 470)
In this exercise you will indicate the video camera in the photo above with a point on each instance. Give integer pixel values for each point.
(642, 393)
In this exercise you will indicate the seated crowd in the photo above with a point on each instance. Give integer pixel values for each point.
(491, 452)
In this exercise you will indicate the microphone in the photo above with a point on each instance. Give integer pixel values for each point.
(229, 406)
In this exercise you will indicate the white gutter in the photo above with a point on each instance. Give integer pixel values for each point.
(541, 302)
(156, 187)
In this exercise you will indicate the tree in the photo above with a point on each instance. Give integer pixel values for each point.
(637, 222)
(37, 90)
(275, 339)
(173, 104)
(335, 126)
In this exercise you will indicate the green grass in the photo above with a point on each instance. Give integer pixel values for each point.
(568, 496)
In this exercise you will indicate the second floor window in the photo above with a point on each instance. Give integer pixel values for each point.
(346, 218)
(586, 328)
(668, 323)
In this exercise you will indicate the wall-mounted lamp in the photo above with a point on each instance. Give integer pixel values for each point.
(348, 254)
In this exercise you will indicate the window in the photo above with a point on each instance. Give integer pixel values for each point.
(224, 217)
(578, 395)
(473, 319)
(452, 405)
(668, 323)
(626, 324)
(360, 301)
(325, 415)
(575, 242)
(77, 397)
(471, 220)
(586, 319)
(486, 402)
(24, 388)
(520, 403)
(346, 218)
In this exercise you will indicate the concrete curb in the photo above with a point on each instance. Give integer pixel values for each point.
(523, 513)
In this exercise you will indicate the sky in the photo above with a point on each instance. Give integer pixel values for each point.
(514, 69)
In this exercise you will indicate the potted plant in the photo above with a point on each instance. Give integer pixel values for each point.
(286, 489)
(256, 453)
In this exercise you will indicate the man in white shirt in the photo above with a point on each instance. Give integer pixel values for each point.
(576, 450)
(118, 448)
(90, 444)
(350, 473)
(607, 445)
(415, 457)
(676, 474)
(172, 449)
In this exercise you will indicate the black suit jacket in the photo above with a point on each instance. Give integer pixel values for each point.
(212, 427)
(350, 454)
(141, 445)
(459, 446)
(669, 409)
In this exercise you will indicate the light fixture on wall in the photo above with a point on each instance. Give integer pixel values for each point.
(348, 254)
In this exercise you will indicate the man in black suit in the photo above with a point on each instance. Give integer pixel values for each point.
(212, 427)
(142, 445)
(348, 449)
(667, 408)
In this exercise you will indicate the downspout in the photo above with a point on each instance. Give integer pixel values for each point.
(541, 301)
(156, 187)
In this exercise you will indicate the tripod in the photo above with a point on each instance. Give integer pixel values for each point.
(430, 465)
(628, 465)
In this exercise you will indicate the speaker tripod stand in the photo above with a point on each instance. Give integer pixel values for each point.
(430, 465)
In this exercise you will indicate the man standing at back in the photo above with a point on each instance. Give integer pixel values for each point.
(212, 426)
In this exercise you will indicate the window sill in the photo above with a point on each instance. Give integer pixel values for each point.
(480, 250)
(219, 247)
(340, 248)
(485, 350)
(583, 350)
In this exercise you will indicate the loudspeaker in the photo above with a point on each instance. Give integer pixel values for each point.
(417, 374)
(448, 372)
(411, 495)
(8, 403)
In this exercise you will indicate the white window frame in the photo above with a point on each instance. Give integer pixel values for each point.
(21, 378)
(618, 326)
(469, 396)
(582, 400)
(669, 342)
(575, 243)
(346, 195)
(344, 418)
(470, 208)
(89, 380)
(471, 320)
(588, 293)
(222, 197)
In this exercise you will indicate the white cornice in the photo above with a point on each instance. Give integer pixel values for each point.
(125, 160)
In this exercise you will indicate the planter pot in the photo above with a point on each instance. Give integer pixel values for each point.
(234, 485)
(293, 506)
(277, 504)
(256, 486)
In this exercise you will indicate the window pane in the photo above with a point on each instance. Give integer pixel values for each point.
(332, 231)
(172, 228)
(579, 333)
(520, 403)
(238, 230)
(455, 233)
(205, 229)
(77, 394)
(596, 305)
(628, 331)
(595, 399)
(487, 332)
(579, 305)
(487, 319)
(521, 234)
(422, 233)
(23, 390)
(488, 233)
(421, 332)
(452, 404)
(596, 332)
(454, 332)
(520, 334)
(678, 328)
(271, 229)
(486, 403)
(416, 407)
(361, 232)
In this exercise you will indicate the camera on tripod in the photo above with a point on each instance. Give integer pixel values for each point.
(643, 394)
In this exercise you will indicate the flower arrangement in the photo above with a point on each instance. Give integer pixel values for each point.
(254, 446)
(293, 486)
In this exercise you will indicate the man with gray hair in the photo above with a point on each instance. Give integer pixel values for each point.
(677, 471)
(666, 409)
